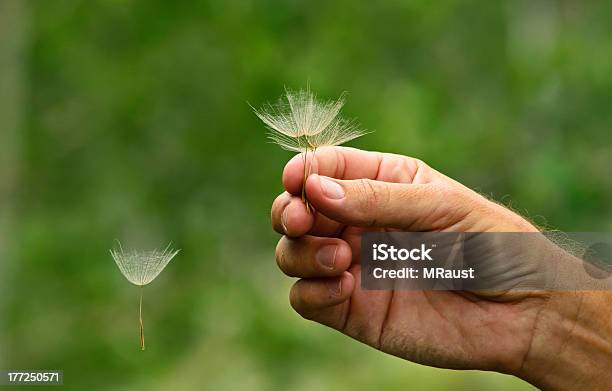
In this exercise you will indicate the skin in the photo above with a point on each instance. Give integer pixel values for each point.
(554, 340)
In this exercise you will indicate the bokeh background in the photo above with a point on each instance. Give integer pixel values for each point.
(130, 120)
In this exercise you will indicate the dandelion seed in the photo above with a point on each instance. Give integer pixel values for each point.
(301, 123)
(141, 268)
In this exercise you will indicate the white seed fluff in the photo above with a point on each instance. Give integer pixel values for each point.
(142, 267)
(301, 123)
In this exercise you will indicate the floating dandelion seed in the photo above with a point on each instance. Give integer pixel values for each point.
(301, 123)
(141, 268)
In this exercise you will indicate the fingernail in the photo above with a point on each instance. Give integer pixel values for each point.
(331, 189)
(326, 256)
(284, 218)
(334, 286)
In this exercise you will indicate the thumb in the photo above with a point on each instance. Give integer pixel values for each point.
(371, 203)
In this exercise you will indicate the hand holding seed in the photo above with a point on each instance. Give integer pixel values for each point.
(353, 191)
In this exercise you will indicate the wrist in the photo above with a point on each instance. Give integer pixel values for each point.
(571, 345)
(495, 217)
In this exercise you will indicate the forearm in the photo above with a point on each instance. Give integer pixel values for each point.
(571, 347)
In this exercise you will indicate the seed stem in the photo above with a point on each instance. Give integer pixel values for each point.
(307, 172)
(304, 199)
(142, 339)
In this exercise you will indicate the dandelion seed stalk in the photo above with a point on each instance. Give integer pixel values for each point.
(306, 173)
(142, 339)
(301, 123)
(141, 268)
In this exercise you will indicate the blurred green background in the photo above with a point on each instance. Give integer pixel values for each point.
(130, 120)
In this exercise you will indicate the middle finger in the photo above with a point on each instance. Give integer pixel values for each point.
(311, 256)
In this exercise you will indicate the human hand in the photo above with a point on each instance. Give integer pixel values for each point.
(355, 191)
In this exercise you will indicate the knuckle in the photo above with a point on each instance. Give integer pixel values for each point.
(281, 256)
(366, 193)
(296, 300)
(453, 193)
(372, 196)
(279, 204)
(403, 169)
(422, 171)
(417, 163)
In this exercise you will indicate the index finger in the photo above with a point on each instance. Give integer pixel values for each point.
(348, 163)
